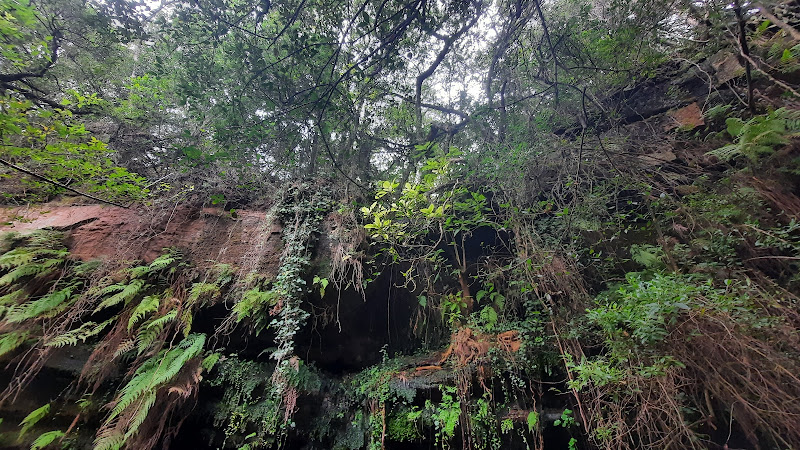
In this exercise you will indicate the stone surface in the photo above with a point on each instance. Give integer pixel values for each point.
(207, 236)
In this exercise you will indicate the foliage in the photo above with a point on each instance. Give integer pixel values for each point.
(32, 419)
(55, 144)
(445, 414)
(759, 135)
(46, 439)
(132, 405)
(11, 341)
(82, 333)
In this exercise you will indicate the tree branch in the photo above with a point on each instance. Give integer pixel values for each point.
(56, 183)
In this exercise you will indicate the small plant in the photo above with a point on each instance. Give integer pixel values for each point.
(32, 419)
(567, 420)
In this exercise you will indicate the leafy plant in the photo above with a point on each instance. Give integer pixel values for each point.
(82, 333)
(46, 439)
(759, 135)
(133, 402)
(32, 419)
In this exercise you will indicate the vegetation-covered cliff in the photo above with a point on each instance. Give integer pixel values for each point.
(399, 224)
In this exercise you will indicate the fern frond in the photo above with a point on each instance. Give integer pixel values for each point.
(81, 333)
(210, 361)
(32, 419)
(126, 346)
(205, 291)
(22, 272)
(727, 152)
(163, 320)
(139, 271)
(16, 258)
(136, 399)
(143, 408)
(11, 341)
(47, 306)
(46, 239)
(86, 268)
(130, 291)
(111, 289)
(163, 261)
(186, 320)
(110, 439)
(156, 371)
(46, 439)
(148, 305)
(150, 331)
(11, 299)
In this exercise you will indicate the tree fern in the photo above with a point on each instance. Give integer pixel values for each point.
(81, 333)
(11, 341)
(148, 305)
(47, 306)
(128, 292)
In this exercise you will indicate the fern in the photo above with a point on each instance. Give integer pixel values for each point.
(16, 258)
(47, 306)
(649, 256)
(759, 135)
(111, 289)
(128, 292)
(164, 261)
(254, 300)
(203, 290)
(26, 255)
(210, 361)
(126, 346)
(148, 305)
(86, 268)
(9, 300)
(22, 272)
(186, 321)
(45, 239)
(81, 333)
(46, 439)
(32, 419)
(139, 271)
(11, 341)
(138, 396)
(150, 331)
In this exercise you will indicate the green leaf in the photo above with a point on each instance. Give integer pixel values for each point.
(46, 439)
(32, 419)
(533, 420)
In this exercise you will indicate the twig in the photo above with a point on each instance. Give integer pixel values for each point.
(745, 52)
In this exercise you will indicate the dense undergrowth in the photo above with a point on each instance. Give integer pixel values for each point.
(668, 321)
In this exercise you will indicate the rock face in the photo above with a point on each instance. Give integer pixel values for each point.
(207, 235)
